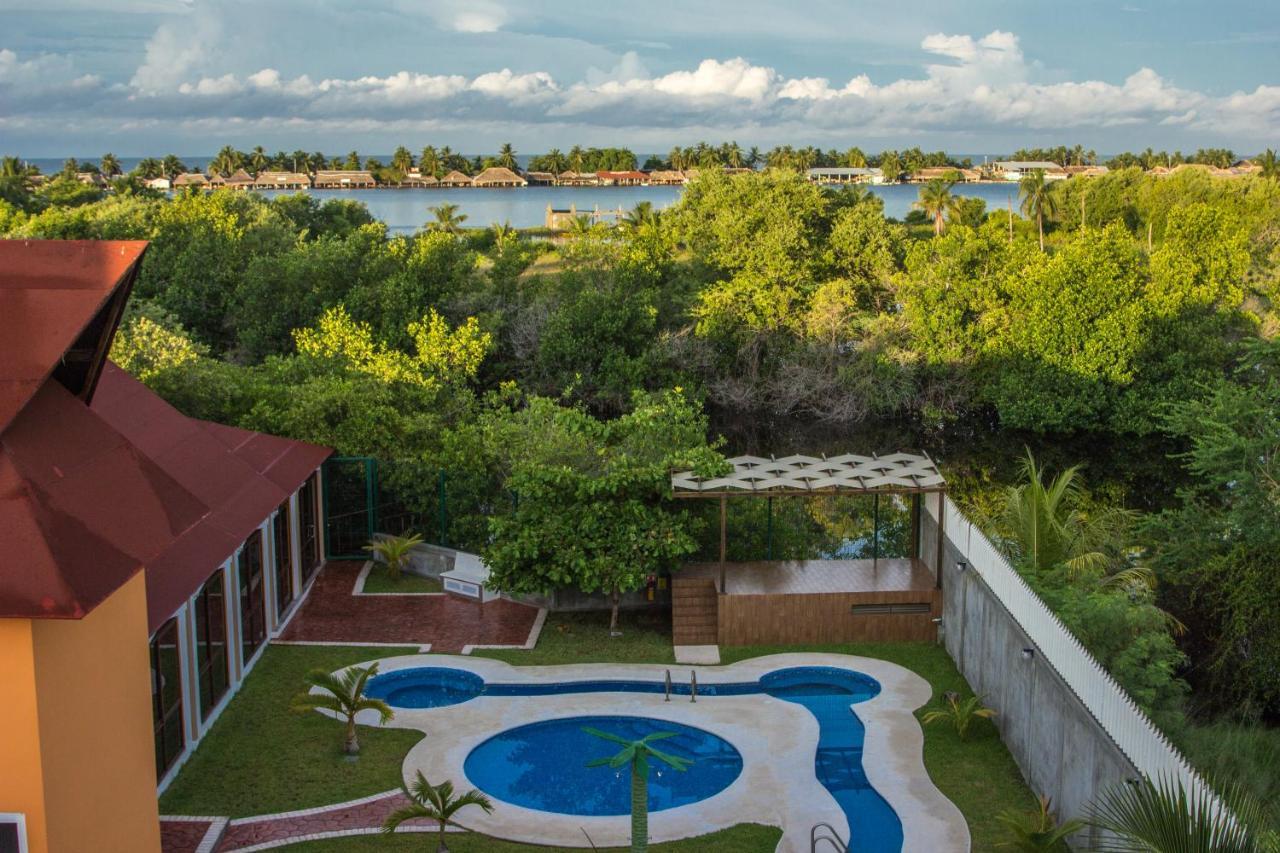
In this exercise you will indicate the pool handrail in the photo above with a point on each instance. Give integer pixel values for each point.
(833, 838)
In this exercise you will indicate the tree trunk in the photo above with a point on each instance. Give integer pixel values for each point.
(1040, 226)
(442, 847)
(352, 745)
(614, 597)
(639, 812)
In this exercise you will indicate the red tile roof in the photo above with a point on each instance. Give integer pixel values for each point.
(50, 290)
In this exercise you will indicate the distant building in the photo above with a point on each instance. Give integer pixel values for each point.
(416, 178)
(93, 179)
(344, 179)
(239, 180)
(1085, 171)
(561, 219)
(281, 181)
(666, 177)
(622, 179)
(191, 179)
(1016, 170)
(945, 173)
(578, 179)
(160, 183)
(846, 175)
(544, 179)
(498, 176)
(455, 179)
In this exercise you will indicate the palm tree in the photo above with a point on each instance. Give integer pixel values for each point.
(581, 226)
(429, 160)
(1038, 831)
(13, 167)
(258, 159)
(394, 551)
(555, 160)
(641, 216)
(507, 156)
(937, 202)
(226, 161)
(504, 236)
(960, 714)
(1037, 201)
(110, 165)
(1162, 817)
(344, 696)
(149, 167)
(733, 155)
(577, 158)
(1269, 164)
(172, 166)
(637, 753)
(402, 160)
(447, 219)
(434, 802)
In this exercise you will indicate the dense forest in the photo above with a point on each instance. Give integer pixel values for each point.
(544, 376)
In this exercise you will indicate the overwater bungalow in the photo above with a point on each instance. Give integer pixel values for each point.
(945, 173)
(239, 180)
(416, 178)
(455, 179)
(622, 178)
(343, 179)
(1016, 170)
(846, 175)
(498, 176)
(216, 181)
(190, 179)
(666, 177)
(540, 179)
(282, 181)
(578, 179)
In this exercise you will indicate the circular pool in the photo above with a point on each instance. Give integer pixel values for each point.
(425, 687)
(543, 766)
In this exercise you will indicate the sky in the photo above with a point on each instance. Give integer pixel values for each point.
(81, 77)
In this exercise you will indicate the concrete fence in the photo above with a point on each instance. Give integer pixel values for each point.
(1073, 731)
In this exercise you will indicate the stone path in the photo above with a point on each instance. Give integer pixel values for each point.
(332, 614)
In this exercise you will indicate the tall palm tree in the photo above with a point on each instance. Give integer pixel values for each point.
(13, 167)
(226, 161)
(555, 160)
(172, 166)
(447, 219)
(507, 156)
(110, 165)
(149, 167)
(344, 696)
(637, 753)
(937, 201)
(434, 802)
(577, 158)
(733, 155)
(504, 236)
(258, 160)
(1163, 817)
(1037, 201)
(1269, 164)
(402, 160)
(429, 160)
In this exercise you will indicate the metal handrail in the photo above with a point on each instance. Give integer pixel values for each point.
(667, 689)
(693, 685)
(834, 839)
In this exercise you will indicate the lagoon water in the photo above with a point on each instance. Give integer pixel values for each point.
(405, 210)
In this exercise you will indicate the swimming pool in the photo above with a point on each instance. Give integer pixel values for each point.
(826, 692)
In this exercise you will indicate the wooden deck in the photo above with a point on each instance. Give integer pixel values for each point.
(819, 601)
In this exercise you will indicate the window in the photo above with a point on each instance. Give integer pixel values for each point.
(284, 559)
(166, 696)
(211, 642)
(253, 603)
(310, 532)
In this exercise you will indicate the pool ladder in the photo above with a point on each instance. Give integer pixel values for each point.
(826, 833)
(693, 686)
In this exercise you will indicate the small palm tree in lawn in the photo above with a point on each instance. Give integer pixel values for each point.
(394, 550)
(637, 753)
(1163, 817)
(434, 802)
(344, 695)
(1037, 201)
(1038, 830)
(936, 201)
(447, 219)
(960, 713)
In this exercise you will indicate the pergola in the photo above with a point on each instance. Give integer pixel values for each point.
(811, 476)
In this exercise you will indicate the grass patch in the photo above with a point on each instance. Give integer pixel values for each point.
(380, 580)
(584, 638)
(1238, 753)
(260, 757)
(743, 838)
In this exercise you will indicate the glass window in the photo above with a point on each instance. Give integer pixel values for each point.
(284, 559)
(253, 602)
(211, 642)
(310, 531)
(166, 696)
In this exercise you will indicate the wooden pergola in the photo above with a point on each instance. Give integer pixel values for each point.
(848, 474)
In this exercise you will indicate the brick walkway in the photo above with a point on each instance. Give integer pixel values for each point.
(269, 830)
(332, 614)
(183, 835)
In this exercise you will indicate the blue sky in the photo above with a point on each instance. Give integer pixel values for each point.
(145, 76)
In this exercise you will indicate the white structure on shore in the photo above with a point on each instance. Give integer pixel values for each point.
(846, 175)
(1016, 170)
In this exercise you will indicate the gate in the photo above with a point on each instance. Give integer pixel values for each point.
(350, 512)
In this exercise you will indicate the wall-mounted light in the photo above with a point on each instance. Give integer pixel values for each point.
(937, 620)
(961, 565)
(1028, 654)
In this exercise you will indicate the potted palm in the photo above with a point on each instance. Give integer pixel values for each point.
(637, 753)
(344, 696)
(434, 802)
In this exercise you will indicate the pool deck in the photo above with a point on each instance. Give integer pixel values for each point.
(777, 785)
(812, 577)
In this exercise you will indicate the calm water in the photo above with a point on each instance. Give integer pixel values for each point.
(405, 210)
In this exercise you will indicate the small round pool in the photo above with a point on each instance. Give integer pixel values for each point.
(543, 766)
(425, 687)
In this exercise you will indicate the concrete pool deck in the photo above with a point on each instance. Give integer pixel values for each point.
(777, 739)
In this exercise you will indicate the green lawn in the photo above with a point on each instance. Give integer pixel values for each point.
(260, 757)
(1236, 753)
(378, 580)
(584, 638)
(743, 838)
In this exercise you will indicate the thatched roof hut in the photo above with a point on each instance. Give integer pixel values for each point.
(282, 181)
(455, 179)
(498, 176)
(190, 179)
(540, 178)
(239, 180)
(343, 179)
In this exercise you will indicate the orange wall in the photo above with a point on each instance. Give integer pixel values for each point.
(93, 679)
(21, 777)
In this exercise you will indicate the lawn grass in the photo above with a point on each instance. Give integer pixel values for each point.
(1230, 753)
(743, 838)
(584, 638)
(379, 580)
(260, 757)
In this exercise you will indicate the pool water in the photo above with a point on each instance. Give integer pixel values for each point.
(542, 765)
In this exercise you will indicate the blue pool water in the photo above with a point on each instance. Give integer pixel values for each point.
(543, 765)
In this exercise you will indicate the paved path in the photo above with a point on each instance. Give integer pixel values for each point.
(266, 831)
(332, 614)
